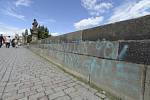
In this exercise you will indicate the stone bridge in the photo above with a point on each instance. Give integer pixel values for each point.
(110, 62)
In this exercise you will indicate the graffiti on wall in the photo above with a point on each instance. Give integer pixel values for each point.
(104, 49)
(91, 64)
(135, 52)
(107, 49)
(111, 73)
(72, 60)
(131, 51)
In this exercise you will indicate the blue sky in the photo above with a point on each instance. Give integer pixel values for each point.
(64, 16)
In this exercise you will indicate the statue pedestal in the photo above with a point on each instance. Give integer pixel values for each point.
(34, 38)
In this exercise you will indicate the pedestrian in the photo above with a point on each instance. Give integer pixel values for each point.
(1, 40)
(16, 40)
(8, 41)
(13, 42)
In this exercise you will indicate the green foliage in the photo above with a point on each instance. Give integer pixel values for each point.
(43, 32)
(26, 32)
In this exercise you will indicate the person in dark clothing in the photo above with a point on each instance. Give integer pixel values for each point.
(13, 42)
(1, 40)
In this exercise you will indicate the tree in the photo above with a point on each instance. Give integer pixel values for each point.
(43, 32)
(46, 32)
(39, 32)
(26, 32)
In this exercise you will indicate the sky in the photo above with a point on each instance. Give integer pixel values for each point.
(64, 16)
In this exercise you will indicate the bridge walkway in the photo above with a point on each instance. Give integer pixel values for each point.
(26, 76)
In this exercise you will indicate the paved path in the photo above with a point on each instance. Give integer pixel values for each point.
(26, 76)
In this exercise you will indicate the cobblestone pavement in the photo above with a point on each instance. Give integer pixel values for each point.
(26, 76)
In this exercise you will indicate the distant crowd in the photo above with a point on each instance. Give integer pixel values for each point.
(6, 41)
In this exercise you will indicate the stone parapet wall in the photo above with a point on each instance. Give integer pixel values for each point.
(100, 64)
(115, 57)
(134, 29)
(135, 51)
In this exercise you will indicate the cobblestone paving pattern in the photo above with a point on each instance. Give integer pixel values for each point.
(26, 76)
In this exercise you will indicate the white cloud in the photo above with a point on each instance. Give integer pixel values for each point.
(10, 30)
(11, 8)
(96, 7)
(55, 34)
(13, 13)
(23, 3)
(88, 23)
(129, 10)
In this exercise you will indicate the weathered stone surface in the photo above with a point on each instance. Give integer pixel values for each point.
(56, 95)
(101, 95)
(134, 29)
(147, 85)
(64, 98)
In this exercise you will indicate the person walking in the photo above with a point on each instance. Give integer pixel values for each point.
(1, 40)
(13, 42)
(16, 40)
(8, 41)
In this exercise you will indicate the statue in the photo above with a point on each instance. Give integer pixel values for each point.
(34, 30)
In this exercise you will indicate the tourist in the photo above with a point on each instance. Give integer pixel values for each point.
(8, 41)
(1, 40)
(16, 40)
(13, 42)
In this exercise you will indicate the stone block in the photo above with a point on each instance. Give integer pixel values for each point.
(147, 85)
(56, 95)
